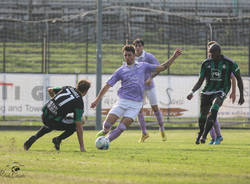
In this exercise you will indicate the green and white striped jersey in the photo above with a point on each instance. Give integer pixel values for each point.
(218, 74)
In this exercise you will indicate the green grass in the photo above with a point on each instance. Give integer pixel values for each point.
(170, 122)
(176, 161)
(76, 57)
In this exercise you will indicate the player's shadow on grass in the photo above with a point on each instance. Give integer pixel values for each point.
(52, 151)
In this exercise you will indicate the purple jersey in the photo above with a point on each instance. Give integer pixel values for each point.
(132, 80)
(148, 58)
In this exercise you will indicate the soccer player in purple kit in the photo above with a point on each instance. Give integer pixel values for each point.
(132, 76)
(150, 92)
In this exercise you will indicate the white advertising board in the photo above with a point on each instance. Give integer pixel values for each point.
(25, 94)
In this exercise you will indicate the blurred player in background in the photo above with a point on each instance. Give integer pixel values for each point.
(150, 92)
(65, 100)
(217, 71)
(132, 76)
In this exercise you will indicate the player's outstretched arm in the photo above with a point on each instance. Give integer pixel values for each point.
(195, 88)
(100, 95)
(167, 64)
(80, 135)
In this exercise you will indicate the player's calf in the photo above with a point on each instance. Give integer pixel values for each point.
(29, 143)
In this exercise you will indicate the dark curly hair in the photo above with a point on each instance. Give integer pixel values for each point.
(128, 48)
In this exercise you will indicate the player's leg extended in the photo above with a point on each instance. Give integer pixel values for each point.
(219, 137)
(142, 124)
(202, 121)
(204, 109)
(114, 114)
(213, 135)
(107, 124)
(42, 131)
(123, 125)
(67, 125)
(212, 117)
(217, 128)
(129, 115)
(158, 116)
(151, 94)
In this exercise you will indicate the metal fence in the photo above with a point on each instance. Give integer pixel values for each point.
(68, 44)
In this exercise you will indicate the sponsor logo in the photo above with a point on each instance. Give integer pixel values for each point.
(216, 75)
(36, 92)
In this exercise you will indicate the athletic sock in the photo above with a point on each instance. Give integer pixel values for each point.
(217, 128)
(209, 124)
(212, 133)
(142, 122)
(159, 119)
(106, 127)
(202, 121)
(117, 132)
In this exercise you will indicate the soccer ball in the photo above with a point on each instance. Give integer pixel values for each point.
(102, 143)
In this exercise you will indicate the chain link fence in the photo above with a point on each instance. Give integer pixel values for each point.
(68, 44)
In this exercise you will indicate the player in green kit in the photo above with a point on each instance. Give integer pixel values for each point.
(217, 71)
(65, 100)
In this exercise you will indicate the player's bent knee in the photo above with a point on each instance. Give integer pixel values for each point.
(107, 125)
(155, 108)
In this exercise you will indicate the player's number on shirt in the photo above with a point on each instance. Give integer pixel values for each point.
(69, 97)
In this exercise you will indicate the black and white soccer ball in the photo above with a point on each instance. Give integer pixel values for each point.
(102, 143)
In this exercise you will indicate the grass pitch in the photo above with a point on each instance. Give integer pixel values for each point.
(176, 161)
(72, 57)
